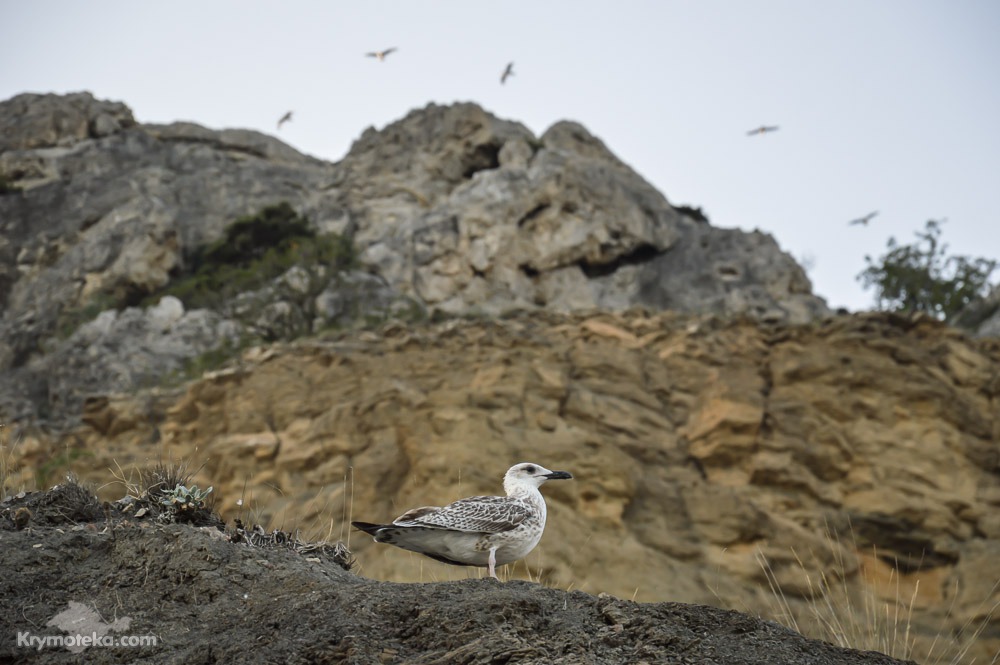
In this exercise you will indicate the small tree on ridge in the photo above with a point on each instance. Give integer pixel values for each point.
(921, 277)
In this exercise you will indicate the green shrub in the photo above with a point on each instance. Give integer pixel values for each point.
(253, 251)
(250, 238)
(921, 277)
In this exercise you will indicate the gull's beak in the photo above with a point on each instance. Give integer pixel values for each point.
(558, 475)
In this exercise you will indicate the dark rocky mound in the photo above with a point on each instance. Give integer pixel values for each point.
(75, 566)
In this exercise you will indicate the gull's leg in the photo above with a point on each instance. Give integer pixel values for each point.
(493, 563)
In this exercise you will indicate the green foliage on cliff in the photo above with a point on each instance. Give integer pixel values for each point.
(255, 250)
(922, 277)
(250, 239)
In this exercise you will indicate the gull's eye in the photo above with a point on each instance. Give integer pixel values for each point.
(529, 469)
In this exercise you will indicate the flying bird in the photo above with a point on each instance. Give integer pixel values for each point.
(863, 220)
(477, 531)
(763, 129)
(380, 54)
(507, 73)
(285, 118)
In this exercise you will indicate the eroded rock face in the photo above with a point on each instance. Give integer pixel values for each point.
(47, 121)
(501, 220)
(113, 216)
(450, 208)
(706, 455)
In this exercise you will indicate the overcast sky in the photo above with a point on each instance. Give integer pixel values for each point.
(888, 105)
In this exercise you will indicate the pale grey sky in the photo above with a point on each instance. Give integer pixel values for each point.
(888, 105)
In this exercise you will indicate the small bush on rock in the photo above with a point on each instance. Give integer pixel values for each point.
(255, 250)
(921, 277)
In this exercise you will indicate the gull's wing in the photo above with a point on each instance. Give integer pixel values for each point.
(477, 514)
(388, 51)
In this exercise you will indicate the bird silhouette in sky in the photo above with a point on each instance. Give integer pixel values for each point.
(285, 118)
(380, 55)
(863, 220)
(507, 73)
(763, 129)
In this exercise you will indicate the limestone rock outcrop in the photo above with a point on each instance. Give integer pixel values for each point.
(113, 215)
(49, 121)
(484, 217)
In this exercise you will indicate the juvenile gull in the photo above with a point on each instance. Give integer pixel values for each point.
(477, 531)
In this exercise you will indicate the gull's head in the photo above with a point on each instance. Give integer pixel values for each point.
(529, 474)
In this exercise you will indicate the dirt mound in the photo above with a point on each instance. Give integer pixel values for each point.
(75, 566)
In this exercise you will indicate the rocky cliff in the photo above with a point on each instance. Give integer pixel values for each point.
(449, 210)
(729, 437)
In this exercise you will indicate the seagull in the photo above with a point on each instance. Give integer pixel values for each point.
(763, 129)
(863, 220)
(507, 73)
(477, 531)
(380, 54)
(285, 118)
